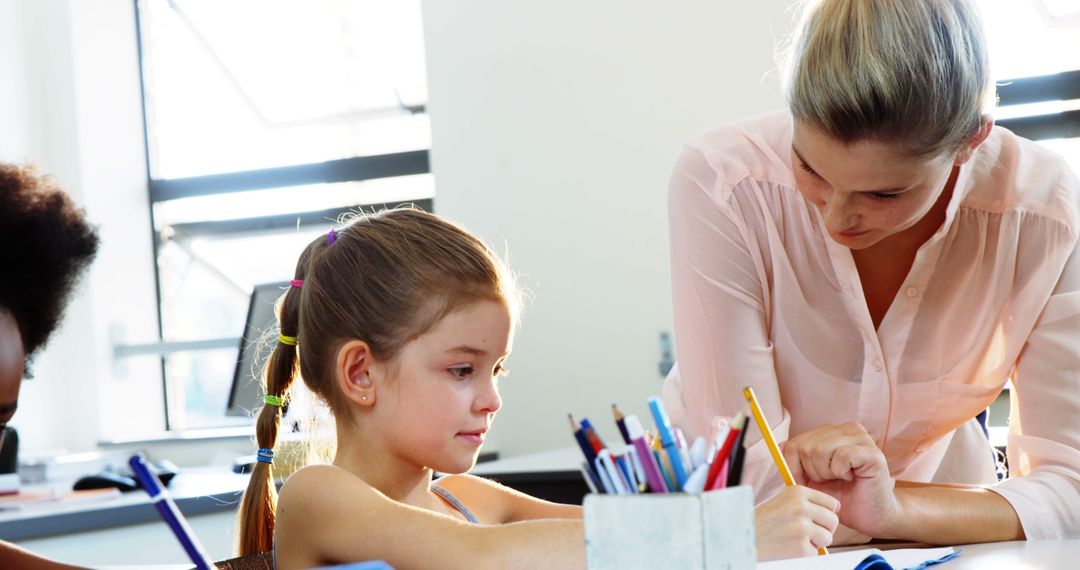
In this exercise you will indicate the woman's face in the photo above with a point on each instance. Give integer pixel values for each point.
(865, 191)
(12, 359)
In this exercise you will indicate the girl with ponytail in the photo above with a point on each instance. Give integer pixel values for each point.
(401, 322)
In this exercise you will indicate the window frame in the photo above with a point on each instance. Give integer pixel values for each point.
(1064, 86)
(353, 169)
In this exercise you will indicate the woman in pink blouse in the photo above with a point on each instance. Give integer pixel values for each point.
(877, 262)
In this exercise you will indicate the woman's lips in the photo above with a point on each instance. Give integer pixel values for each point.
(850, 234)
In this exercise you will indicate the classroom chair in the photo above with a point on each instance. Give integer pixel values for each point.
(260, 561)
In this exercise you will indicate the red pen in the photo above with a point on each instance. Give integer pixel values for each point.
(591, 435)
(711, 481)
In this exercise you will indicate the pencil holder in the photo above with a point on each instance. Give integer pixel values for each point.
(708, 531)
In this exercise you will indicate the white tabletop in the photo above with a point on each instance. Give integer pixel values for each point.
(562, 459)
(1019, 555)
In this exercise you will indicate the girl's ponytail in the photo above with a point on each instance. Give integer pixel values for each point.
(256, 515)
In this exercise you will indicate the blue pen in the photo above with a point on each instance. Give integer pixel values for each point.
(626, 472)
(667, 439)
(586, 425)
(168, 510)
(586, 449)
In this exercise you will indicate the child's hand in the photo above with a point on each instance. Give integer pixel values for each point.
(844, 461)
(795, 522)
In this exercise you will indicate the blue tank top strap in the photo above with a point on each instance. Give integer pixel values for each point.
(454, 503)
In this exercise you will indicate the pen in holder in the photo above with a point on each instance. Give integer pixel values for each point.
(707, 531)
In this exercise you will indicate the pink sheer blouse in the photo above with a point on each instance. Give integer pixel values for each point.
(764, 298)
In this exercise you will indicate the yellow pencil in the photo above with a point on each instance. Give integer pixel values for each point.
(770, 442)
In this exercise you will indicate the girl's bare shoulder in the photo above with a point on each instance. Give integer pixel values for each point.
(318, 487)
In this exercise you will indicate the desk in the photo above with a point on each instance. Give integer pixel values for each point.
(1022, 554)
(196, 491)
(1019, 555)
(127, 530)
(550, 475)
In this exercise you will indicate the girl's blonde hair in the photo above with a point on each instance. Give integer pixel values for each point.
(384, 278)
(913, 72)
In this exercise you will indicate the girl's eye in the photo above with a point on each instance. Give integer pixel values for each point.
(460, 372)
(500, 370)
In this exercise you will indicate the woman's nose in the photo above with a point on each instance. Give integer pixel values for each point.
(836, 211)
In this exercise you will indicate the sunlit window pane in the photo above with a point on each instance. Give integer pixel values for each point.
(235, 85)
(1034, 37)
(1069, 148)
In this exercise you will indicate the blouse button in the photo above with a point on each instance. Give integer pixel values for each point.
(911, 291)
(877, 366)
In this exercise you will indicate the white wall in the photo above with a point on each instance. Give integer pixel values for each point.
(72, 107)
(555, 125)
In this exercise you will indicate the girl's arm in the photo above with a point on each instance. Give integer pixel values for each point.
(496, 503)
(793, 523)
(12, 556)
(326, 515)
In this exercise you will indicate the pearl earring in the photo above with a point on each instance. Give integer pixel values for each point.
(363, 397)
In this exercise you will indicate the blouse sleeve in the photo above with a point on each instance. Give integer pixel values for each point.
(1044, 426)
(721, 312)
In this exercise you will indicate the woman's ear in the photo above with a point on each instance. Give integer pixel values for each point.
(986, 124)
(353, 372)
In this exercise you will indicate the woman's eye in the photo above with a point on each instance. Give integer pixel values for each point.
(460, 371)
(885, 196)
(500, 370)
(807, 169)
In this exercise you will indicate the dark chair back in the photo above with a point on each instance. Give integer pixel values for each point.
(9, 451)
(260, 561)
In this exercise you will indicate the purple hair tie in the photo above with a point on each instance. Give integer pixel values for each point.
(331, 237)
(296, 283)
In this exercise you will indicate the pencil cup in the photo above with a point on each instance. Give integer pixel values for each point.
(707, 531)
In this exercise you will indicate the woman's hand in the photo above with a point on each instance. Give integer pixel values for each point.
(843, 461)
(793, 523)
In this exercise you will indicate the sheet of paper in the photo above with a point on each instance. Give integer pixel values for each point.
(898, 559)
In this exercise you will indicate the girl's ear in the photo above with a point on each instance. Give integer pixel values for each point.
(986, 124)
(353, 372)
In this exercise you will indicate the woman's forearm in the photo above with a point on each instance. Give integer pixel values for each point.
(952, 514)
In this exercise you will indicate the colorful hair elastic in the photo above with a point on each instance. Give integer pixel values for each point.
(287, 340)
(298, 283)
(331, 237)
(265, 455)
(274, 400)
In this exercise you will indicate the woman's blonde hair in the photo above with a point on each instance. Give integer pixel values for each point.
(913, 72)
(383, 278)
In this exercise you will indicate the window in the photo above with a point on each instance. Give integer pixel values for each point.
(265, 121)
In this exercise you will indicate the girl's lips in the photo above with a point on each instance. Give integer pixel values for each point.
(476, 437)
